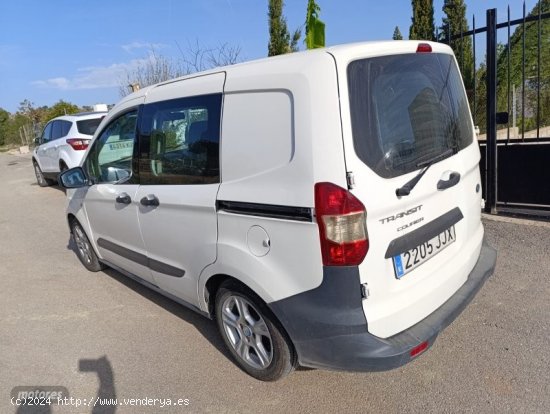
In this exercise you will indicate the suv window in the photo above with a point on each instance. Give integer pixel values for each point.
(406, 109)
(88, 126)
(110, 158)
(57, 130)
(47, 133)
(179, 142)
(65, 127)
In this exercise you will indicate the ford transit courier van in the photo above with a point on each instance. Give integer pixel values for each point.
(323, 207)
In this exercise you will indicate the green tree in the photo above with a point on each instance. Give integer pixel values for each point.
(315, 28)
(422, 27)
(514, 51)
(280, 41)
(397, 34)
(10, 127)
(4, 121)
(28, 109)
(60, 108)
(454, 23)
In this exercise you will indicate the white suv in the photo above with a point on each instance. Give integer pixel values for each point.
(323, 207)
(62, 144)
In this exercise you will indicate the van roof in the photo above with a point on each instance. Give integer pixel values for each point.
(293, 60)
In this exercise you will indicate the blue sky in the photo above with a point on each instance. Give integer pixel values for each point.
(79, 51)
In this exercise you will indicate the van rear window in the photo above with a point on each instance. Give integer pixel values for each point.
(406, 109)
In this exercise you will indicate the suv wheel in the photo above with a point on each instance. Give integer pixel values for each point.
(84, 249)
(252, 335)
(42, 182)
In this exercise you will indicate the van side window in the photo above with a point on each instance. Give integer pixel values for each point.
(179, 141)
(110, 159)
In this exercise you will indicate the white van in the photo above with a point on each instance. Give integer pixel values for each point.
(323, 207)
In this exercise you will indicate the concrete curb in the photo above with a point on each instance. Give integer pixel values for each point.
(515, 220)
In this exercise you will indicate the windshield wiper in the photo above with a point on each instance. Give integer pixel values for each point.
(406, 189)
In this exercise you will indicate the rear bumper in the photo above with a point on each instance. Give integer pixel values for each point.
(329, 330)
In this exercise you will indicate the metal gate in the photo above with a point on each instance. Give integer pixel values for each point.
(510, 101)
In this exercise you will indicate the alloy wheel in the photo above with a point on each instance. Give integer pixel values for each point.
(82, 244)
(247, 332)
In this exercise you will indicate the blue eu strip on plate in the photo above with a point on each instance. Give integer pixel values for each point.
(398, 266)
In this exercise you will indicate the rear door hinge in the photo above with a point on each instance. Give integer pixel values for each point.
(350, 178)
(365, 291)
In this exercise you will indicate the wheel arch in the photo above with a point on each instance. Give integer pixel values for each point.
(36, 161)
(64, 158)
(213, 284)
(87, 230)
(61, 162)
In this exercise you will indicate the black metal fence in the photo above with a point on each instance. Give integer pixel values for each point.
(514, 134)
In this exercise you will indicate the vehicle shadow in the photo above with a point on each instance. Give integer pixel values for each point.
(206, 327)
(53, 186)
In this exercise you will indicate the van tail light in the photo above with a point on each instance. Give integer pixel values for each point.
(78, 144)
(341, 218)
(424, 48)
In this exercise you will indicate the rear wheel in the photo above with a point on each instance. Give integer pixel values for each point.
(252, 334)
(41, 181)
(84, 249)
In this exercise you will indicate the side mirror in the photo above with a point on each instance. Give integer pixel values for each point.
(37, 141)
(502, 118)
(73, 178)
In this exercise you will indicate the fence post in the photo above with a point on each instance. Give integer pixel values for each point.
(491, 172)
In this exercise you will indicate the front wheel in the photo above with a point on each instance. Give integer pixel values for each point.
(41, 181)
(252, 335)
(84, 249)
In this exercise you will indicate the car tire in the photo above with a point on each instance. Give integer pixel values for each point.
(84, 249)
(40, 179)
(252, 334)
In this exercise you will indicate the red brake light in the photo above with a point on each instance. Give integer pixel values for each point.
(424, 48)
(341, 218)
(78, 144)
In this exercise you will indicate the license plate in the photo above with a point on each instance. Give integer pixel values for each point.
(411, 259)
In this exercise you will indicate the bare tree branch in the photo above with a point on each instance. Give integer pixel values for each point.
(159, 68)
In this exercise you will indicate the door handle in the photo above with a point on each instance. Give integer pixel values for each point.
(123, 198)
(454, 178)
(149, 200)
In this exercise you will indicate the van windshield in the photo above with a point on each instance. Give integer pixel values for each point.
(406, 109)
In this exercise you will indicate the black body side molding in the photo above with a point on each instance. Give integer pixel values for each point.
(266, 210)
(141, 259)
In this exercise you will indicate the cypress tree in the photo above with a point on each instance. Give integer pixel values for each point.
(422, 27)
(280, 41)
(397, 34)
(455, 22)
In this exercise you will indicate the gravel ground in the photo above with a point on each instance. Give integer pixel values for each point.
(103, 333)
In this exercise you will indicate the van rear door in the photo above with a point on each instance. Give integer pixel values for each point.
(410, 147)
